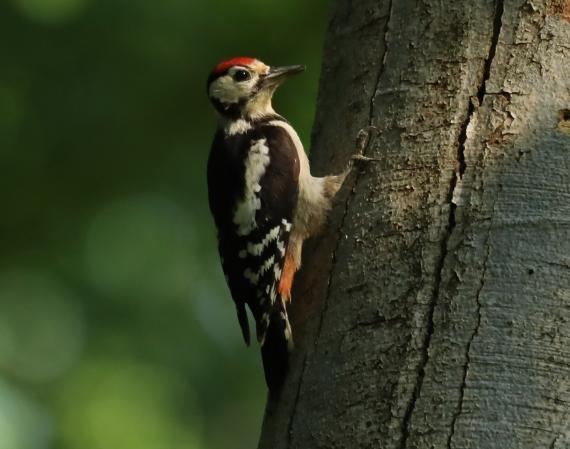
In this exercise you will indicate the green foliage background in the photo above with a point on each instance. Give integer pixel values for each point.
(116, 328)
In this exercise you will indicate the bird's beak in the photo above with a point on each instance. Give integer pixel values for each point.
(277, 75)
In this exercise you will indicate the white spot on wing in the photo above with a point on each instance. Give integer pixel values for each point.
(265, 321)
(254, 277)
(251, 276)
(242, 254)
(287, 333)
(277, 272)
(267, 265)
(255, 249)
(255, 165)
(281, 247)
(287, 225)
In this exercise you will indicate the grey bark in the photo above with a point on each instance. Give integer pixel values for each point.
(434, 312)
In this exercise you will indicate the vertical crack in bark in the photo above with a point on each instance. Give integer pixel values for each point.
(457, 175)
(382, 66)
(497, 24)
(341, 224)
(475, 332)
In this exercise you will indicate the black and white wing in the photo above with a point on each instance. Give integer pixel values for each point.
(253, 209)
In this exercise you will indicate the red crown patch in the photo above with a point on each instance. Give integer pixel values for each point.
(223, 66)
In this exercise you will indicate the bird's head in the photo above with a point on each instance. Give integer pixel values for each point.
(243, 87)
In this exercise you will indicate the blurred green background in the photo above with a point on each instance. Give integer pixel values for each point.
(116, 328)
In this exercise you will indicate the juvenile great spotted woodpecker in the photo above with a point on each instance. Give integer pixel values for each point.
(264, 201)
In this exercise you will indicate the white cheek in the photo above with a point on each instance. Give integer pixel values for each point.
(226, 90)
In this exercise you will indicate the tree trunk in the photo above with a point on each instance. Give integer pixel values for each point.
(434, 312)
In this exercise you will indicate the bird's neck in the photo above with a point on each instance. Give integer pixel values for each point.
(258, 110)
(258, 107)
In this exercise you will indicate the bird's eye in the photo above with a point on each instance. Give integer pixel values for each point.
(241, 75)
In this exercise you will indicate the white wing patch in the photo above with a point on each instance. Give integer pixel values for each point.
(239, 126)
(255, 165)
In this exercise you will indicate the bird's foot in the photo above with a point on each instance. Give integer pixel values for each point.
(362, 141)
(363, 138)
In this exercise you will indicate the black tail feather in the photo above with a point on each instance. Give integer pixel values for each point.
(275, 349)
(243, 323)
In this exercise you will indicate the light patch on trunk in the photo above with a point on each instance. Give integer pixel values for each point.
(255, 165)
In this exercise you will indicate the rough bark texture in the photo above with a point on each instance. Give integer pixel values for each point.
(435, 311)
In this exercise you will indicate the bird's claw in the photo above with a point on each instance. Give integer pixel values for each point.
(363, 138)
(362, 158)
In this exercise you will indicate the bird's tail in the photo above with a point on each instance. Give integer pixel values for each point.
(275, 347)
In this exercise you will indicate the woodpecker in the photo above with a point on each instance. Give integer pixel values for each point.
(264, 201)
